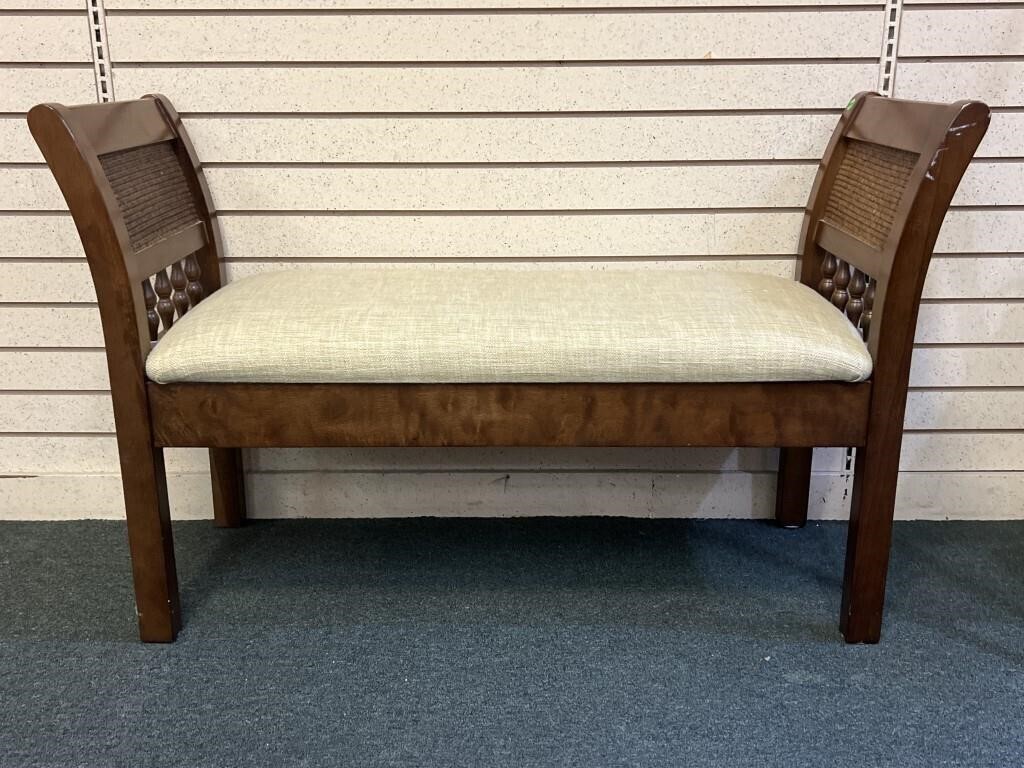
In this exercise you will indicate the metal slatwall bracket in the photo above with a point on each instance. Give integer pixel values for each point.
(100, 52)
(890, 46)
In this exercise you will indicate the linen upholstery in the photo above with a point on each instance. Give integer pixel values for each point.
(472, 324)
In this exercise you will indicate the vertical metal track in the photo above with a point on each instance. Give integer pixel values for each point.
(100, 53)
(890, 47)
(886, 85)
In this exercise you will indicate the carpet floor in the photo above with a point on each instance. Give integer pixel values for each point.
(528, 642)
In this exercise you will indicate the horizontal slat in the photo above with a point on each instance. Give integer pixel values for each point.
(29, 189)
(538, 139)
(971, 323)
(49, 282)
(972, 277)
(857, 253)
(724, 234)
(932, 495)
(962, 452)
(501, 89)
(949, 278)
(79, 454)
(944, 323)
(34, 412)
(930, 2)
(958, 495)
(1005, 136)
(39, 326)
(522, 236)
(73, 369)
(68, 369)
(532, 188)
(514, 139)
(922, 451)
(991, 184)
(926, 409)
(523, 189)
(780, 266)
(21, 88)
(48, 38)
(24, 236)
(576, 236)
(959, 32)
(43, 5)
(967, 367)
(282, 237)
(408, 5)
(511, 139)
(981, 232)
(483, 37)
(166, 251)
(986, 409)
(16, 144)
(499, 189)
(46, 282)
(997, 83)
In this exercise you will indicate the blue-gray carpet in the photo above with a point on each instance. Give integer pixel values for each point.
(543, 642)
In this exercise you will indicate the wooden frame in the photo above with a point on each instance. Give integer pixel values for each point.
(881, 192)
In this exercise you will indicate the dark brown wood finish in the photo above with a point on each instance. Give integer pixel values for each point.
(793, 490)
(953, 136)
(297, 415)
(228, 481)
(944, 138)
(881, 192)
(75, 164)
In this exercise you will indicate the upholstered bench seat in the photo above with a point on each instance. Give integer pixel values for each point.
(479, 324)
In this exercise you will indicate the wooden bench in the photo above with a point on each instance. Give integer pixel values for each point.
(370, 357)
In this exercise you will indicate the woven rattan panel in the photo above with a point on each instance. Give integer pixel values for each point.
(867, 190)
(152, 192)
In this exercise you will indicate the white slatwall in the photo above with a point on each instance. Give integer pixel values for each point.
(532, 135)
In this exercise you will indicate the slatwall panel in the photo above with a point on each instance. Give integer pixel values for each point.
(45, 55)
(947, 53)
(543, 135)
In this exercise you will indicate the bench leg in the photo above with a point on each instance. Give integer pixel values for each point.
(228, 487)
(873, 503)
(152, 548)
(794, 487)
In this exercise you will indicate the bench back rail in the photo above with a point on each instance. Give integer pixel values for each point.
(881, 192)
(142, 206)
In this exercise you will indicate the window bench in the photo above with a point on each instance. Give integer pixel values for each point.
(490, 356)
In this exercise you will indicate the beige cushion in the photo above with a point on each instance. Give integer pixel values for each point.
(480, 324)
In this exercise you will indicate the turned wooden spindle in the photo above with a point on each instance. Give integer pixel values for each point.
(179, 298)
(869, 303)
(194, 288)
(842, 280)
(151, 316)
(164, 305)
(828, 272)
(855, 306)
